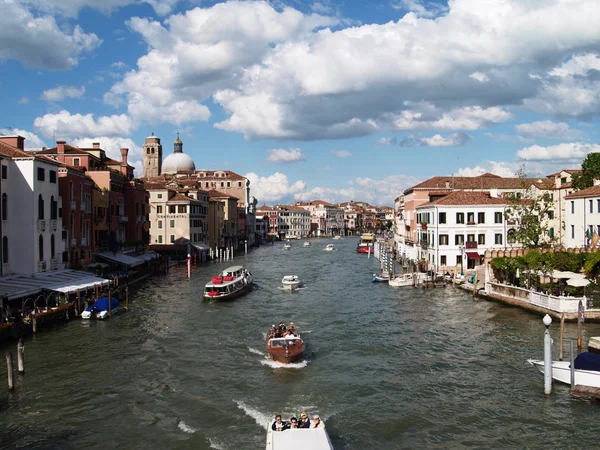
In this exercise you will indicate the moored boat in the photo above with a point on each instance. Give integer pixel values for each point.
(285, 348)
(587, 369)
(381, 278)
(337, 237)
(299, 439)
(306, 244)
(100, 308)
(231, 283)
(366, 244)
(408, 279)
(329, 248)
(287, 246)
(290, 282)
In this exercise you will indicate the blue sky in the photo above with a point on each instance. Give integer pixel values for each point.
(334, 100)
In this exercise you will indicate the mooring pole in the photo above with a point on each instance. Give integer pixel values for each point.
(127, 298)
(20, 360)
(562, 334)
(246, 247)
(109, 305)
(78, 302)
(572, 363)
(547, 356)
(189, 266)
(11, 371)
(579, 327)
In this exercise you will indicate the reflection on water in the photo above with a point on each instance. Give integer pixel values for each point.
(386, 368)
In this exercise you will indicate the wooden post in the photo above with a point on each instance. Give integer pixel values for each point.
(127, 298)
(96, 293)
(78, 302)
(562, 334)
(454, 277)
(579, 327)
(34, 323)
(11, 371)
(475, 285)
(109, 305)
(20, 360)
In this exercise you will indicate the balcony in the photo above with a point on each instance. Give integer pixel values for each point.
(53, 225)
(41, 266)
(83, 206)
(84, 242)
(73, 205)
(41, 225)
(54, 264)
(471, 244)
(471, 222)
(123, 219)
(73, 242)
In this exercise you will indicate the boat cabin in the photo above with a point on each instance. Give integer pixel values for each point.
(284, 342)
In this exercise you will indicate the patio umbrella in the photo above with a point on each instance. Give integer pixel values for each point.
(578, 282)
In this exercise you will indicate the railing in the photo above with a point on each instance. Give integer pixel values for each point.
(554, 303)
(123, 219)
(41, 225)
(84, 242)
(54, 264)
(41, 266)
(53, 225)
(471, 244)
(73, 242)
(73, 204)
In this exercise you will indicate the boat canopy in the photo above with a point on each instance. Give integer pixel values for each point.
(121, 258)
(587, 361)
(102, 304)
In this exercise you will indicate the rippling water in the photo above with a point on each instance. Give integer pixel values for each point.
(386, 368)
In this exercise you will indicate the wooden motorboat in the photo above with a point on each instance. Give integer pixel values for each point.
(408, 279)
(231, 283)
(286, 349)
(381, 277)
(290, 282)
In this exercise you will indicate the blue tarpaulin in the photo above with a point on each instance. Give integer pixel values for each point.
(587, 361)
(102, 304)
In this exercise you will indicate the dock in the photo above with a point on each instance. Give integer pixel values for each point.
(581, 391)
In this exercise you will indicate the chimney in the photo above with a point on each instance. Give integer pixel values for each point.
(124, 152)
(60, 146)
(96, 144)
(447, 185)
(494, 193)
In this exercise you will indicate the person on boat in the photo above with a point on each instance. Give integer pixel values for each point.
(272, 332)
(282, 328)
(278, 425)
(292, 328)
(303, 422)
(293, 422)
(316, 423)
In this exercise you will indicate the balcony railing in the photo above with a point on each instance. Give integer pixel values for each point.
(54, 264)
(73, 242)
(41, 225)
(471, 244)
(73, 204)
(41, 266)
(123, 219)
(84, 242)
(53, 225)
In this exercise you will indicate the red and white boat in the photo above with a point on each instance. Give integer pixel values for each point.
(231, 283)
(366, 244)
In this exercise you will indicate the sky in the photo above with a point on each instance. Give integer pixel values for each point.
(332, 100)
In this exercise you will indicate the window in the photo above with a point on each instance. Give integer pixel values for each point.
(470, 217)
(591, 206)
(572, 207)
(158, 195)
(53, 208)
(41, 174)
(159, 209)
(563, 180)
(481, 239)
(76, 162)
(510, 237)
(470, 238)
(40, 208)
(572, 231)
(497, 217)
(4, 207)
(459, 259)
(550, 214)
(443, 260)
(460, 217)
(4, 172)
(442, 217)
(459, 239)
(4, 249)
(182, 209)
(53, 176)
(52, 248)
(171, 223)
(171, 209)
(160, 239)
(481, 217)
(443, 239)
(598, 205)
(159, 224)
(498, 239)
(551, 233)
(172, 239)
(41, 247)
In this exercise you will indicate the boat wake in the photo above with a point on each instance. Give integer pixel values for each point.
(256, 352)
(262, 419)
(215, 445)
(278, 365)
(185, 427)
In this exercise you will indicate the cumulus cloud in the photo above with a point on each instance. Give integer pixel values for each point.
(112, 146)
(279, 155)
(71, 8)
(417, 7)
(342, 154)
(453, 140)
(59, 93)
(502, 169)
(23, 101)
(564, 151)
(548, 129)
(36, 40)
(66, 125)
(273, 188)
(387, 141)
(32, 141)
(118, 65)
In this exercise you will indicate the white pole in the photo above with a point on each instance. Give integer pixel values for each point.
(246, 247)
(368, 251)
(189, 266)
(547, 356)
(231, 253)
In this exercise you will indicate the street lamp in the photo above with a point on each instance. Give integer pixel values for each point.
(461, 248)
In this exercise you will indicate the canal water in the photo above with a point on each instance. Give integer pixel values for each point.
(385, 368)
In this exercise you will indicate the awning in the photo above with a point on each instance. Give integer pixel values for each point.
(473, 255)
(121, 258)
(148, 256)
(201, 247)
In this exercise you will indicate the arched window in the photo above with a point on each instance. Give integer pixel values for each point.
(153, 151)
(510, 236)
(40, 208)
(52, 249)
(4, 207)
(147, 151)
(53, 208)
(41, 247)
(4, 249)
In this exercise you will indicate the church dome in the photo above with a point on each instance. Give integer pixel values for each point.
(177, 161)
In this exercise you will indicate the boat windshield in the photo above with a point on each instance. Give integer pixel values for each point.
(219, 289)
(282, 342)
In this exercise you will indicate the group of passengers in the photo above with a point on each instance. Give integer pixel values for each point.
(282, 331)
(302, 422)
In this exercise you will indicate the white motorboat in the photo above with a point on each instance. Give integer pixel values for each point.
(290, 282)
(306, 244)
(338, 237)
(408, 279)
(329, 248)
(299, 439)
(287, 246)
(100, 308)
(587, 369)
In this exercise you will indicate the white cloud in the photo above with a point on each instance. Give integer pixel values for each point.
(112, 146)
(479, 76)
(32, 141)
(510, 138)
(66, 125)
(453, 140)
(274, 187)
(36, 40)
(416, 6)
(71, 8)
(23, 101)
(343, 154)
(391, 140)
(467, 118)
(548, 129)
(279, 155)
(119, 65)
(502, 169)
(59, 93)
(564, 151)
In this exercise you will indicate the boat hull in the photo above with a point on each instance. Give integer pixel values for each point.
(298, 439)
(291, 286)
(561, 372)
(380, 279)
(233, 295)
(365, 250)
(280, 355)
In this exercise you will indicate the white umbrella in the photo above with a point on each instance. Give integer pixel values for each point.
(578, 282)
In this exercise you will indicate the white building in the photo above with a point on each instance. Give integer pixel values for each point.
(582, 218)
(326, 218)
(293, 221)
(32, 230)
(457, 228)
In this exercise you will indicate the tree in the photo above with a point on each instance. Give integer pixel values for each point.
(590, 170)
(529, 211)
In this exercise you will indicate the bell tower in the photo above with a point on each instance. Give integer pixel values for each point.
(152, 156)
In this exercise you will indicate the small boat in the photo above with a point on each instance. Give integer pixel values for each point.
(587, 369)
(231, 283)
(290, 282)
(329, 248)
(408, 279)
(381, 278)
(99, 309)
(286, 349)
(337, 238)
(306, 244)
(366, 244)
(287, 246)
(299, 439)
